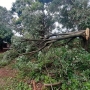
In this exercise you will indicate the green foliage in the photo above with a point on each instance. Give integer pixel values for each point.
(5, 29)
(44, 1)
(17, 45)
(87, 85)
(2, 62)
(20, 46)
(21, 86)
(58, 64)
(10, 55)
(66, 64)
(72, 14)
(7, 57)
(32, 18)
(18, 85)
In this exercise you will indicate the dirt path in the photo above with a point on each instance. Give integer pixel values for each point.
(6, 77)
(7, 72)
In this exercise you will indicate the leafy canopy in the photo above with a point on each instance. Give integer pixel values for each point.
(5, 30)
(72, 14)
(32, 17)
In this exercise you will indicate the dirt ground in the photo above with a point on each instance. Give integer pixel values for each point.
(6, 76)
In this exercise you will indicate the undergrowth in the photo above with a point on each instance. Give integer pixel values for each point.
(14, 84)
(7, 57)
(68, 66)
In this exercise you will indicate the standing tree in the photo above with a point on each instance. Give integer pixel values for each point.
(33, 18)
(5, 30)
(72, 14)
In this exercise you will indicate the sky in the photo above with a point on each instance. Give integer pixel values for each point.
(7, 3)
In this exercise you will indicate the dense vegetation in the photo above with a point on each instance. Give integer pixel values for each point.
(5, 30)
(66, 66)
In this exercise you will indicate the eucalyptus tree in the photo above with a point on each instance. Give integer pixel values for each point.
(32, 17)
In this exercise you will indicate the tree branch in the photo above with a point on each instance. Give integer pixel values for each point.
(42, 43)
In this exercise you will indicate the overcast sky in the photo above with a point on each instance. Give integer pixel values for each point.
(7, 3)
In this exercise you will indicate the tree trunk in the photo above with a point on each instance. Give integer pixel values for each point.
(1, 44)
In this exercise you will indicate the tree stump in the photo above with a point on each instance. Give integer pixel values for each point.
(86, 40)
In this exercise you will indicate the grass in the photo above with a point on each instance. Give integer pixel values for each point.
(13, 84)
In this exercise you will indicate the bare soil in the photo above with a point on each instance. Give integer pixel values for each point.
(7, 72)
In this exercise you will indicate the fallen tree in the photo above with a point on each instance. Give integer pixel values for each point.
(84, 36)
(48, 67)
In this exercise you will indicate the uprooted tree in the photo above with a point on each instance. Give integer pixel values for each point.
(83, 35)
